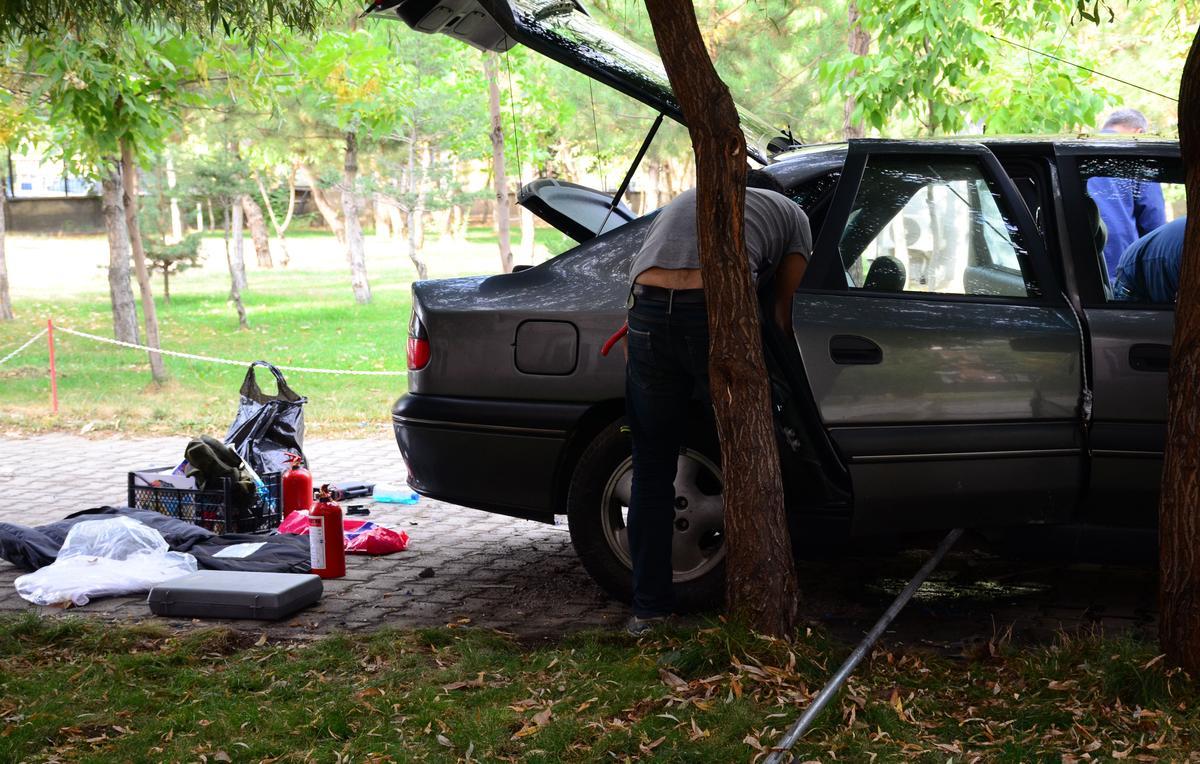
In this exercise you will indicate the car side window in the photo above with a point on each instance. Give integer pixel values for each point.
(1134, 209)
(933, 226)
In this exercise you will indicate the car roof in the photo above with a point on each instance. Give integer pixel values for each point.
(1068, 144)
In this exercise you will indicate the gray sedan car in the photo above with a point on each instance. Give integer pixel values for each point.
(958, 356)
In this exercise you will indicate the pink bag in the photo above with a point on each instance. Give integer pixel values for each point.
(362, 536)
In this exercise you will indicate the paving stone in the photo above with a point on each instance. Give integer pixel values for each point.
(521, 576)
(464, 547)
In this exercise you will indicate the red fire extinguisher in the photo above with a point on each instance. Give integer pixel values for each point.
(326, 542)
(297, 486)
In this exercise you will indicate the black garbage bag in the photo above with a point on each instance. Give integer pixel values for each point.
(268, 427)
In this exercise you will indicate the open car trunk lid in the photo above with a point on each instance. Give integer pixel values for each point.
(563, 31)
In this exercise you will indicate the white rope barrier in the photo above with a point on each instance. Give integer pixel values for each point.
(211, 359)
(29, 342)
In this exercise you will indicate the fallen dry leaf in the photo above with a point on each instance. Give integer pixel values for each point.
(527, 730)
(476, 682)
(671, 680)
(648, 747)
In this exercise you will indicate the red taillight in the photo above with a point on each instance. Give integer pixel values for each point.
(418, 344)
(418, 353)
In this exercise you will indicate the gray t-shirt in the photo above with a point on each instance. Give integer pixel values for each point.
(775, 226)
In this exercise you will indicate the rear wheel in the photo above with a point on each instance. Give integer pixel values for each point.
(598, 511)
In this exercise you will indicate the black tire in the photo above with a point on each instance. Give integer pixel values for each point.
(596, 511)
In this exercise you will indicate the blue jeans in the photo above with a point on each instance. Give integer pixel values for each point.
(667, 367)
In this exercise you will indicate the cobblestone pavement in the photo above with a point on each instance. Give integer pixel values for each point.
(523, 577)
(496, 571)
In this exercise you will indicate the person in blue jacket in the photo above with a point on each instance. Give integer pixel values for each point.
(1130, 208)
(1149, 268)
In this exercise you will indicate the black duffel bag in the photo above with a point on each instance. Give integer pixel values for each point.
(268, 427)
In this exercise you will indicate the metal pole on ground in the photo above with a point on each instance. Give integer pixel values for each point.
(835, 682)
(53, 370)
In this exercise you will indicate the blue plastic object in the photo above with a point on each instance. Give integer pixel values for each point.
(389, 494)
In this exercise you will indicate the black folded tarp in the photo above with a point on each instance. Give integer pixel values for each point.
(32, 548)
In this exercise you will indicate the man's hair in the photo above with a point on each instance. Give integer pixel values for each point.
(1131, 118)
(764, 180)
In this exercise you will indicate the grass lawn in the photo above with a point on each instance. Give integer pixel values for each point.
(72, 689)
(303, 315)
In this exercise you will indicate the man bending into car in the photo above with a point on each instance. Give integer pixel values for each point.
(668, 360)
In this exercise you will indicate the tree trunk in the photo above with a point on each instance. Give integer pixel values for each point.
(284, 258)
(176, 217)
(237, 258)
(129, 183)
(235, 294)
(417, 229)
(499, 178)
(167, 285)
(6, 311)
(1179, 511)
(326, 208)
(415, 220)
(461, 222)
(125, 323)
(653, 180)
(528, 237)
(859, 43)
(354, 236)
(427, 163)
(395, 221)
(199, 217)
(383, 228)
(760, 574)
(258, 232)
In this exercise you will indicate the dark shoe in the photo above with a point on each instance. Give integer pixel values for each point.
(638, 626)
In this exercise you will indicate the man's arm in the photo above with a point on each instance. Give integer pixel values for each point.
(1149, 207)
(787, 280)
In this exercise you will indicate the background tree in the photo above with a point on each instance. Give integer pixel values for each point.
(43, 18)
(539, 136)
(113, 96)
(939, 64)
(421, 168)
(1179, 511)
(352, 84)
(216, 177)
(171, 259)
(499, 173)
(760, 574)
(18, 128)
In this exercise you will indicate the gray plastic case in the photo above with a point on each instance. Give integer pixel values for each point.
(234, 594)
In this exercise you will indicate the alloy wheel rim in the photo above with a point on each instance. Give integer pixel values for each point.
(698, 544)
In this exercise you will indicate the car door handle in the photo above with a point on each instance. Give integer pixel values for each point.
(851, 350)
(1149, 357)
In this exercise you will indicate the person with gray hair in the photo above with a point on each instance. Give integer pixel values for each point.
(1125, 120)
(1129, 207)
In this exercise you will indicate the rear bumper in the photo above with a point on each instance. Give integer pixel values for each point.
(495, 455)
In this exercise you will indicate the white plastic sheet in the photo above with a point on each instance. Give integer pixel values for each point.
(104, 558)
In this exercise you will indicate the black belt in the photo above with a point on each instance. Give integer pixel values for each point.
(662, 294)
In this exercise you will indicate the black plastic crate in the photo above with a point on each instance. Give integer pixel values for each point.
(212, 509)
